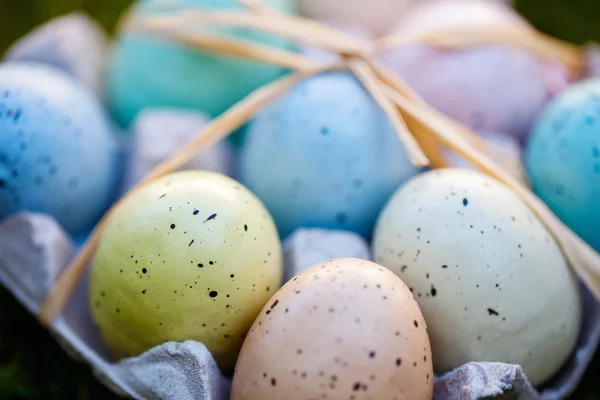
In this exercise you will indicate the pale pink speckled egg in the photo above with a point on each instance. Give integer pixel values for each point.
(489, 88)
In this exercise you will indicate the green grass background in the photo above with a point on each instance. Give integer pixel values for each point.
(32, 366)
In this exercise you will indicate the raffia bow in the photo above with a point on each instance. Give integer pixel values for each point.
(422, 130)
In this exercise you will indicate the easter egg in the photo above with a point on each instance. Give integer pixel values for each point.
(146, 70)
(343, 329)
(193, 255)
(492, 283)
(57, 150)
(562, 159)
(324, 156)
(376, 16)
(488, 88)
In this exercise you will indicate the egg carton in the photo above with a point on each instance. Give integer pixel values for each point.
(34, 250)
(74, 43)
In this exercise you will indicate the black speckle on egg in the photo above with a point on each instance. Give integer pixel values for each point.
(492, 312)
(341, 218)
(172, 226)
(416, 324)
(212, 217)
(213, 294)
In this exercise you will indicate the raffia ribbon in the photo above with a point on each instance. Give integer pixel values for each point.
(422, 130)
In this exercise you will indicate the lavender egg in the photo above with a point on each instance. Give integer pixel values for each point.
(324, 156)
(489, 88)
(57, 151)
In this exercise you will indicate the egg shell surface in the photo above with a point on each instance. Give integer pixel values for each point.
(146, 71)
(488, 88)
(563, 159)
(57, 151)
(376, 16)
(324, 156)
(343, 329)
(193, 255)
(491, 282)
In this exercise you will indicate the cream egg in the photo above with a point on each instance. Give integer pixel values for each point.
(492, 283)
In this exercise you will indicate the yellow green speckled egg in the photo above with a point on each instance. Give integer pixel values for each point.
(193, 255)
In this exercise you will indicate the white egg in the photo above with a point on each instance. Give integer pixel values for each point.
(376, 16)
(493, 285)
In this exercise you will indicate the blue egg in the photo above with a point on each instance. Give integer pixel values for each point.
(324, 155)
(57, 152)
(563, 159)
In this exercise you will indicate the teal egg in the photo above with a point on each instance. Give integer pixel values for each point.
(563, 159)
(324, 155)
(148, 71)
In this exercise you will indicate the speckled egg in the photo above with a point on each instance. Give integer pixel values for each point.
(563, 159)
(147, 71)
(489, 88)
(342, 329)
(324, 155)
(193, 255)
(57, 151)
(492, 283)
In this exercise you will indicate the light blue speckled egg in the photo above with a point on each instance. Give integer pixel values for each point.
(149, 71)
(324, 155)
(563, 159)
(57, 151)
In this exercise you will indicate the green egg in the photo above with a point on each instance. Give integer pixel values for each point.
(193, 255)
(148, 71)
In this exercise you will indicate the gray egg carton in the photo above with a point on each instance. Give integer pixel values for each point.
(34, 250)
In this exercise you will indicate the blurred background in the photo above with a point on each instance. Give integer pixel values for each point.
(572, 20)
(31, 364)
